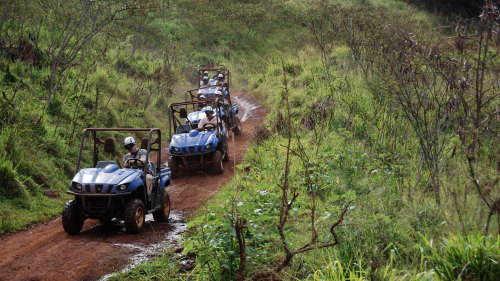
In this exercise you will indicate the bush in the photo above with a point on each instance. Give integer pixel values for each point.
(472, 257)
(8, 179)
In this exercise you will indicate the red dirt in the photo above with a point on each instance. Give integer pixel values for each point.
(46, 252)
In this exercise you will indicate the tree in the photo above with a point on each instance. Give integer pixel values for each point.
(476, 85)
(72, 26)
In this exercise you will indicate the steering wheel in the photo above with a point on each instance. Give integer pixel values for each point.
(135, 164)
(209, 127)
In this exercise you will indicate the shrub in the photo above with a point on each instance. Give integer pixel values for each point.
(8, 179)
(472, 257)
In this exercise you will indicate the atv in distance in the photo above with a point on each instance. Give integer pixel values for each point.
(108, 191)
(193, 149)
(221, 90)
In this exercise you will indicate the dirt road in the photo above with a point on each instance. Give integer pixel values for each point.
(46, 252)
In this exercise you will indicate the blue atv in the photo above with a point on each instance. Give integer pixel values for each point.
(109, 191)
(229, 109)
(193, 149)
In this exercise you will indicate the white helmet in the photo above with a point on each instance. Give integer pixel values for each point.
(221, 75)
(202, 97)
(218, 93)
(208, 110)
(128, 140)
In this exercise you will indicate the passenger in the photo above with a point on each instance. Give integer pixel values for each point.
(220, 79)
(209, 120)
(201, 105)
(205, 82)
(141, 154)
(216, 75)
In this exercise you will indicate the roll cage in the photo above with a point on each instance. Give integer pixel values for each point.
(181, 109)
(109, 147)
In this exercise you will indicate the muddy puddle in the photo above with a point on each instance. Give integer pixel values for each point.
(170, 240)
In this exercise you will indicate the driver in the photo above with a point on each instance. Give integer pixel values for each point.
(208, 119)
(135, 153)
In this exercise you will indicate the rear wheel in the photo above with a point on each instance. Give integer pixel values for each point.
(217, 163)
(163, 213)
(72, 217)
(174, 169)
(134, 216)
(238, 128)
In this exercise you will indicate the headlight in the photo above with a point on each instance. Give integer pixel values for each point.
(77, 186)
(176, 149)
(208, 146)
(122, 187)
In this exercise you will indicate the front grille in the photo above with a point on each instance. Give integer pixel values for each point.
(97, 204)
(193, 160)
(98, 188)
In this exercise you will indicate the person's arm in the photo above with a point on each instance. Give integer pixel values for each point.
(143, 156)
(201, 124)
(125, 162)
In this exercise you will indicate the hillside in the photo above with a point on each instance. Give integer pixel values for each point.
(379, 157)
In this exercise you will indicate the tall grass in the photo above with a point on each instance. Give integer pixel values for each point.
(472, 257)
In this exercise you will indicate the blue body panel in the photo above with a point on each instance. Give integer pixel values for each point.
(108, 179)
(165, 177)
(193, 142)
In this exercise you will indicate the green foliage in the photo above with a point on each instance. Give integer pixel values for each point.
(214, 245)
(161, 268)
(474, 257)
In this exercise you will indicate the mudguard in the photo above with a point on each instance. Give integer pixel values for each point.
(165, 177)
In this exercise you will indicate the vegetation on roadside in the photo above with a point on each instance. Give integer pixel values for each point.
(388, 112)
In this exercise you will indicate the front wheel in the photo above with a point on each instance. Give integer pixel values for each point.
(163, 213)
(217, 163)
(134, 216)
(174, 169)
(72, 217)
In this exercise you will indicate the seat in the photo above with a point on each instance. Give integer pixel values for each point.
(144, 143)
(109, 145)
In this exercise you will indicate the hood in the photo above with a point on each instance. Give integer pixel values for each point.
(193, 142)
(108, 175)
